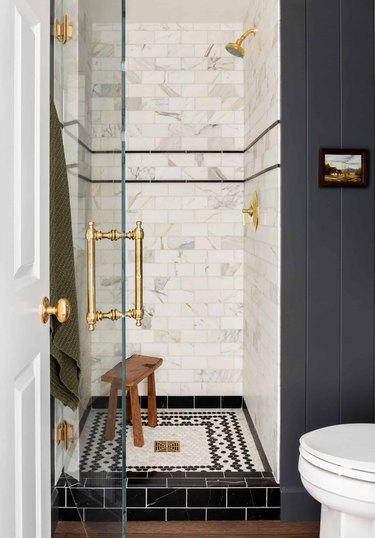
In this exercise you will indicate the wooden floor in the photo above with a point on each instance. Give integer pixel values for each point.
(190, 529)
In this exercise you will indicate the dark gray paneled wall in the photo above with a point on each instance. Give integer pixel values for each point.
(327, 277)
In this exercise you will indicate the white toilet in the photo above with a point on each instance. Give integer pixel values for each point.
(337, 468)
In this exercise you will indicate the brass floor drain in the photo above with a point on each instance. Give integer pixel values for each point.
(167, 446)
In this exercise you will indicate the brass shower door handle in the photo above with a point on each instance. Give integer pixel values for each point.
(137, 312)
(62, 310)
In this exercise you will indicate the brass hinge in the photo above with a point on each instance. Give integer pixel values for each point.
(63, 30)
(65, 434)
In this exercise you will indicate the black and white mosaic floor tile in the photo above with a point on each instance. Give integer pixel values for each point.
(211, 440)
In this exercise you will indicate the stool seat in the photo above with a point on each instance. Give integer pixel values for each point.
(138, 368)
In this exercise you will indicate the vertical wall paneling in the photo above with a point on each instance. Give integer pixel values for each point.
(293, 244)
(327, 306)
(357, 359)
(323, 207)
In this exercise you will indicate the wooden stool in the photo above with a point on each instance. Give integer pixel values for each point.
(138, 367)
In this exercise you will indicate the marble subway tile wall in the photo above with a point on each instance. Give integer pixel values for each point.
(105, 211)
(106, 88)
(183, 93)
(105, 341)
(262, 248)
(193, 285)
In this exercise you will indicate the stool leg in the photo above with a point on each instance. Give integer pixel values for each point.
(136, 417)
(111, 417)
(128, 407)
(152, 412)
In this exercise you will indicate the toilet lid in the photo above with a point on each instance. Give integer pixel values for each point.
(349, 445)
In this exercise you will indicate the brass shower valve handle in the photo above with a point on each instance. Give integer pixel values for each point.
(137, 313)
(252, 211)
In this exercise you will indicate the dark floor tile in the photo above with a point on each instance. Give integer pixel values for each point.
(164, 474)
(59, 498)
(189, 514)
(263, 513)
(136, 474)
(145, 514)
(71, 482)
(100, 474)
(226, 514)
(244, 474)
(147, 482)
(186, 482)
(267, 474)
(202, 498)
(207, 402)
(204, 474)
(70, 514)
(234, 402)
(182, 402)
(226, 482)
(103, 483)
(256, 497)
(92, 498)
(273, 497)
(166, 497)
(161, 402)
(260, 482)
(101, 402)
(113, 497)
(136, 497)
(103, 514)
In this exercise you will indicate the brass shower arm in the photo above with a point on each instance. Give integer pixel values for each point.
(251, 31)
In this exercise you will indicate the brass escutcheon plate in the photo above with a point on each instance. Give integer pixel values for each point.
(167, 446)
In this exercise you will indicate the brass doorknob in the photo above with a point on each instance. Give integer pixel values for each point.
(62, 310)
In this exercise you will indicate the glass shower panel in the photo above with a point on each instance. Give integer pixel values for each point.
(123, 257)
(198, 118)
(87, 91)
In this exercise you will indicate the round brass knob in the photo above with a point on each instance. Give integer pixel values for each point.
(62, 310)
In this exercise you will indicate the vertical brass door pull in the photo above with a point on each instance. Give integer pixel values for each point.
(137, 312)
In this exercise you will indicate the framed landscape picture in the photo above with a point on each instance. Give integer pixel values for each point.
(343, 168)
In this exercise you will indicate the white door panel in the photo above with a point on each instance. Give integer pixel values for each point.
(24, 342)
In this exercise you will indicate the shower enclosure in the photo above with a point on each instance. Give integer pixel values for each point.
(87, 87)
(185, 115)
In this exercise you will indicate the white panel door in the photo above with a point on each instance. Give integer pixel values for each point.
(24, 341)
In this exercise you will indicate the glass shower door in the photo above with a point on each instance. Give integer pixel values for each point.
(87, 89)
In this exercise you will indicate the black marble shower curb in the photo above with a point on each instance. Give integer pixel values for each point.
(240, 496)
(173, 495)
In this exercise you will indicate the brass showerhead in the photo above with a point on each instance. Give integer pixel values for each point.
(236, 49)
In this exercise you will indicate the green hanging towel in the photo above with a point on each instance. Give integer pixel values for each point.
(64, 349)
